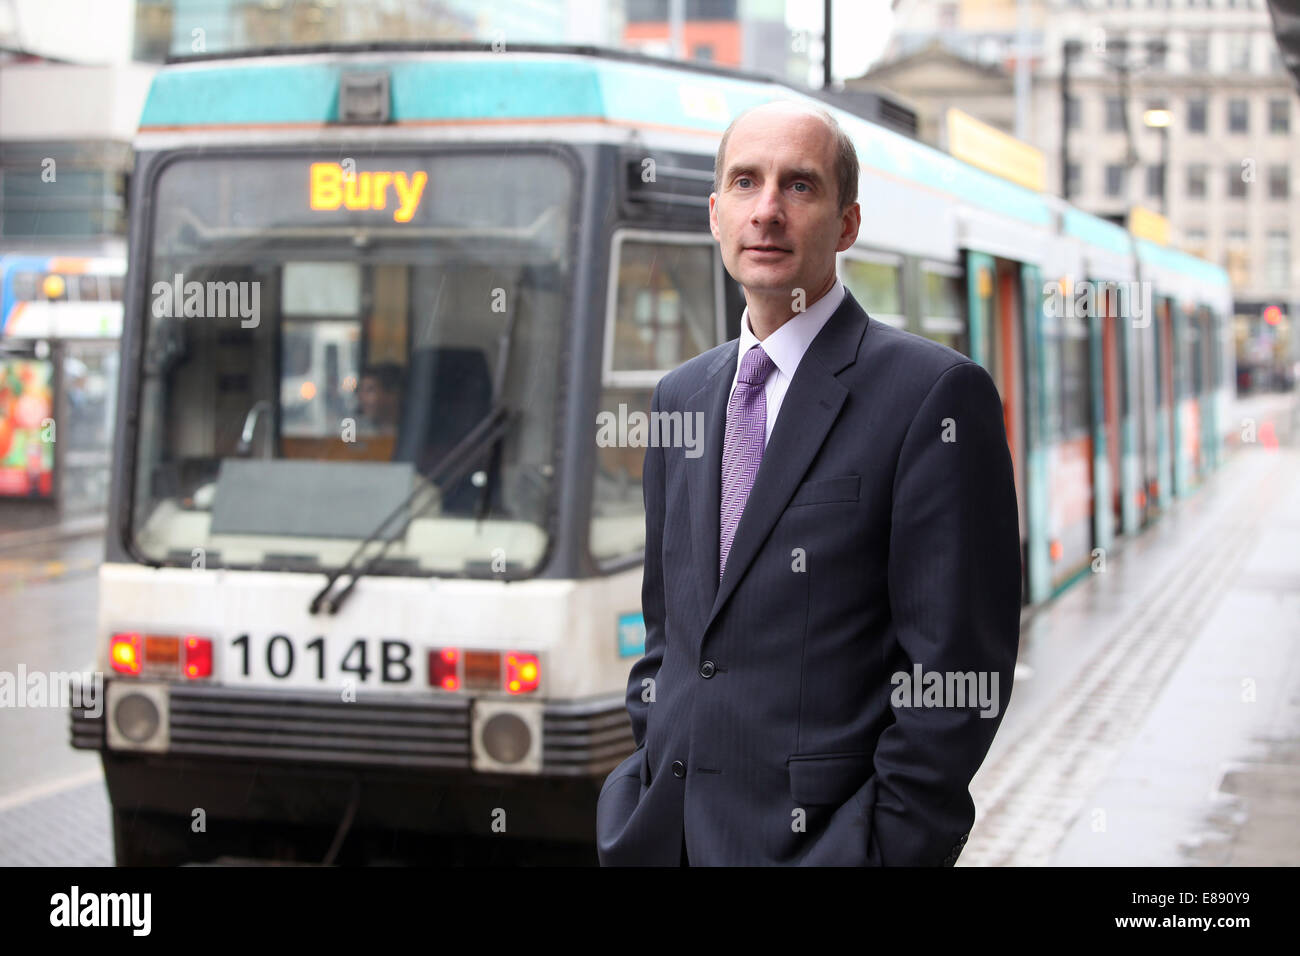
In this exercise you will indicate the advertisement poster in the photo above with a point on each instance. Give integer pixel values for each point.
(26, 428)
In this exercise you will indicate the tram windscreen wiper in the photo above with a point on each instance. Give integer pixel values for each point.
(487, 434)
(449, 469)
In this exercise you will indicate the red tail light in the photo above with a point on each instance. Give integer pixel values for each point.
(161, 655)
(443, 666)
(198, 657)
(523, 672)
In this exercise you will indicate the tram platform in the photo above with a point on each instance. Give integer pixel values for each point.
(1155, 719)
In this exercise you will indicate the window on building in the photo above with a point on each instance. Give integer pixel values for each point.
(1236, 181)
(88, 202)
(1239, 52)
(1156, 50)
(1115, 180)
(1279, 182)
(1194, 242)
(1198, 54)
(1238, 115)
(1114, 113)
(1073, 112)
(1279, 116)
(1074, 179)
(1196, 110)
(1277, 259)
(1156, 181)
(1196, 177)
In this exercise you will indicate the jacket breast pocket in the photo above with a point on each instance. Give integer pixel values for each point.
(823, 490)
(828, 778)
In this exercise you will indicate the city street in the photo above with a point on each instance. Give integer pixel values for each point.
(1155, 718)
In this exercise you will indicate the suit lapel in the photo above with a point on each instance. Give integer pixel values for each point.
(704, 474)
(811, 404)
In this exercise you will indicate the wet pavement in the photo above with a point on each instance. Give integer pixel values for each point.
(1155, 718)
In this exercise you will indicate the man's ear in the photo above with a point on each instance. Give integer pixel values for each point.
(851, 220)
(713, 216)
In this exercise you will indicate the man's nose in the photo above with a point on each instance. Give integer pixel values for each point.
(768, 207)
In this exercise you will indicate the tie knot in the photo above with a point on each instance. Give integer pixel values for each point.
(755, 367)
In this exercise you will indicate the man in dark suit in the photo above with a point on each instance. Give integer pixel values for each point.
(850, 528)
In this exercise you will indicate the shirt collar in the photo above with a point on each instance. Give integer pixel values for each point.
(787, 345)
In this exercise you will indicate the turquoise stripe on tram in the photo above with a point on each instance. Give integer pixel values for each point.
(499, 87)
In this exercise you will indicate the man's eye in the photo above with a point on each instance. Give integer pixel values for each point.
(804, 185)
(742, 180)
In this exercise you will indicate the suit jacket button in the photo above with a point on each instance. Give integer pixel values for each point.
(707, 669)
(679, 769)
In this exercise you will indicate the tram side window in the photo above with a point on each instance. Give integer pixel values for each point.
(942, 313)
(665, 311)
(877, 286)
(1075, 415)
(1194, 338)
(1053, 353)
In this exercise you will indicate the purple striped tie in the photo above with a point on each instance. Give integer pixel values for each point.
(742, 449)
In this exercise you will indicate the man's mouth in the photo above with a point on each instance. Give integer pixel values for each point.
(766, 248)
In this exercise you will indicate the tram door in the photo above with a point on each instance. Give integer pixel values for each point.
(1162, 491)
(1146, 418)
(1107, 411)
(1196, 384)
(997, 344)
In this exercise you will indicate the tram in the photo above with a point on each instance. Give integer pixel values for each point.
(367, 565)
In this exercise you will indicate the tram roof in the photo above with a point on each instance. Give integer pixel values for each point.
(447, 83)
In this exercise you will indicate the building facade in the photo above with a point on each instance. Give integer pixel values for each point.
(1222, 168)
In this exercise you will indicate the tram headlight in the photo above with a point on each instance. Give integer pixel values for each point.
(507, 736)
(138, 716)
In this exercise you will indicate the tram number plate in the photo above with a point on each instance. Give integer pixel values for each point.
(366, 662)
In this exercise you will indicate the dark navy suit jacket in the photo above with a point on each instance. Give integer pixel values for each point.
(881, 533)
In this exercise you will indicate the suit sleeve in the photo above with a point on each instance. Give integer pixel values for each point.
(652, 586)
(954, 591)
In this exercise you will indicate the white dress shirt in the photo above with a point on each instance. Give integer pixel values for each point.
(786, 347)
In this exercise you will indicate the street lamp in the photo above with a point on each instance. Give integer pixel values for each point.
(1161, 119)
(1071, 50)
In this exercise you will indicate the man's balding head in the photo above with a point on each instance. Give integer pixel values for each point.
(843, 159)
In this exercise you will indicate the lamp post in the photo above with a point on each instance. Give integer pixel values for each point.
(1070, 50)
(1161, 119)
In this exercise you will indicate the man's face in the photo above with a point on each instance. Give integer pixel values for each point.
(368, 396)
(376, 404)
(777, 218)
